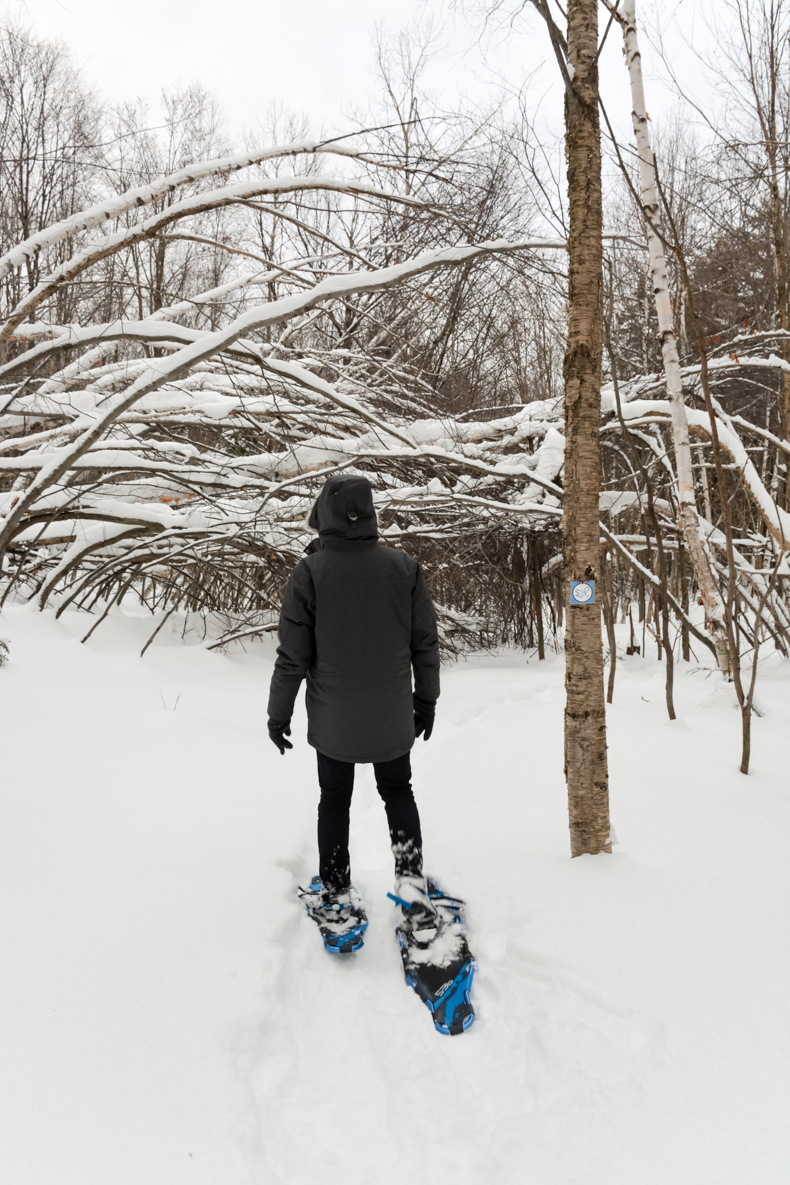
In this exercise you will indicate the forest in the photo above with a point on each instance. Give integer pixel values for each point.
(195, 333)
(547, 316)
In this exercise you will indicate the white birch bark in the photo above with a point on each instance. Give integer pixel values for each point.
(688, 518)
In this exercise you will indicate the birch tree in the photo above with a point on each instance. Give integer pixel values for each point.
(688, 516)
(586, 766)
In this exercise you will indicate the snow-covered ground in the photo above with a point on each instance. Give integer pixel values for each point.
(168, 1014)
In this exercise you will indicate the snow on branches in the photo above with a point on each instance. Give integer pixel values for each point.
(166, 439)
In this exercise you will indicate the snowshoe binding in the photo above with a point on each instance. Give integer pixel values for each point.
(340, 917)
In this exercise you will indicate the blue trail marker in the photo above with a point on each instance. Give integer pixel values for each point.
(582, 592)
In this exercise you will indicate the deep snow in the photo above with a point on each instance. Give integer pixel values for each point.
(168, 1014)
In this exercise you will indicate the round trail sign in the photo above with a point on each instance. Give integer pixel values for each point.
(582, 592)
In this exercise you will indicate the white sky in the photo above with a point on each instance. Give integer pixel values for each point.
(317, 57)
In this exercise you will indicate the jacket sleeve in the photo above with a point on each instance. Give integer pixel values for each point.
(424, 642)
(297, 643)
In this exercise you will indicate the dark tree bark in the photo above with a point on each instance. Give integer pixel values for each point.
(586, 767)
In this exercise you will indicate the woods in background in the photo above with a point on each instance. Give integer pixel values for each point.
(193, 333)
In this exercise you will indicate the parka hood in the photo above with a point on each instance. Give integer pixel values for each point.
(344, 509)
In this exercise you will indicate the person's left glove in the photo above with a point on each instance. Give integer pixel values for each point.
(278, 731)
(424, 716)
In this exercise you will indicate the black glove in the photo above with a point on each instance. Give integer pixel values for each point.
(424, 716)
(278, 731)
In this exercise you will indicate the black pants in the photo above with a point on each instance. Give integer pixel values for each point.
(393, 779)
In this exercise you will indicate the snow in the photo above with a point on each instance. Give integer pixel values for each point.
(775, 518)
(168, 1014)
(142, 195)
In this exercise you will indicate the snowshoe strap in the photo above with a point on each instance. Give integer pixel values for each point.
(399, 901)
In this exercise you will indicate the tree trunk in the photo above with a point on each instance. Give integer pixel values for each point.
(609, 613)
(688, 518)
(536, 592)
(586, 767)
(779, 233)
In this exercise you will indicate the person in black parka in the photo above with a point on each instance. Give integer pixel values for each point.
(357, 621)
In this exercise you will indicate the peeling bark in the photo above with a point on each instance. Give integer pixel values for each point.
(688, 518)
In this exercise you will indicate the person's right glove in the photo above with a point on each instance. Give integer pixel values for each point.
(424, 716)
(278, 731)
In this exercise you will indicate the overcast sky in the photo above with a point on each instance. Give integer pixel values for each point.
(317, 56)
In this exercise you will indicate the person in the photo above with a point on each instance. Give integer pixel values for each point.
(357, 622)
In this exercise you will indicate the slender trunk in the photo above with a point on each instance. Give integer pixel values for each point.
(632, 648)
(586, 765)
(537, 598)
(688, 518)
(783, 290)
(732, 605)
(649, 521)
(770, 130)
(684, 600)
(608, 604)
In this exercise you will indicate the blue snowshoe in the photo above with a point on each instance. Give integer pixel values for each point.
(340, 917)
(437, 962)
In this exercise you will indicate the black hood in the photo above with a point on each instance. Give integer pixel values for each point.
(344, 509)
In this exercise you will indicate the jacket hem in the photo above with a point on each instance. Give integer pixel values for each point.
(364, 760)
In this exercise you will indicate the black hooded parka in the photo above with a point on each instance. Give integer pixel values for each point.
(356, 621)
